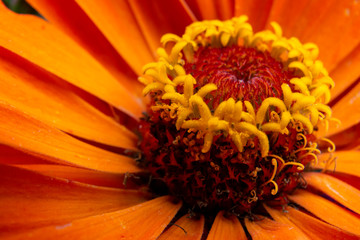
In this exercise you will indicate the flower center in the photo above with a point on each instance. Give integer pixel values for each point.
(232, 115)
(241, 73)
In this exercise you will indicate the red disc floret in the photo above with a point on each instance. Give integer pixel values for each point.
(244, 74)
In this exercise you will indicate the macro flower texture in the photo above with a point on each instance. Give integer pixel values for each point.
(180, 119)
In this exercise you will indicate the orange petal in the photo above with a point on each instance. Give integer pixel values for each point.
(97, 178)
(132, 46)
(348, 139)
(186, 228)
(315, 228)
(281, 217)
(347, 178)
(210, 9)
(30, 200)
(73, 21)
(206, 9)
(338, 190)
(346, 72)
(190, 11)
(268, 229)
(346, 110)
(225, 8)
(42, 44)
(9, 155)
(28, 134)
(143, 221)
(257, 10)
(332, 25)
(327, 211)
(156, 19)
(226, 227)
(346, 162)
(36, 93)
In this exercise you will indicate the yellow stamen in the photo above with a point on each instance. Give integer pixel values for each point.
(316, 161)
(332, 147)
(271, 180)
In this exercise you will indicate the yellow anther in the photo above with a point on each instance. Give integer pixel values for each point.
(153, 87)
(176, 97)
(204, 110)
(229, 109)
(203, 91)
(277, 29)
(285, 119)
(237, 111)
(178, 80)
(169, 89)
(300, 85)
(247, 117)
(271, 101)
(281, 44)
(220, 110)
(183, 113)
(274, 127)
(207, 142)
(294, 53)
(195, 124)
(179, 70)
(225, 38)
(301, 102)
(325, 80)
(236, 138)
(304, 120)
(306, 80)
(250, 109)
(169, 37)
(320, 91)
(264, 142)
(188, 87)
(149, 66)
(287, 95)
(274, 117)
(314, 115)
(313, 49)
(301, 67)
(174, 55)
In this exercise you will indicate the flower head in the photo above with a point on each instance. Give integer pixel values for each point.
(236, 133)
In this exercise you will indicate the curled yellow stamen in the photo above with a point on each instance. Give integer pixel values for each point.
(253, 197)
(271, 180)
(332, 147)
(301, 136)
(315, 161)
(300, 166)
(307, 148)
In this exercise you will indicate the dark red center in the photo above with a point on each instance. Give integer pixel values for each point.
(239, 72)
(222, 178)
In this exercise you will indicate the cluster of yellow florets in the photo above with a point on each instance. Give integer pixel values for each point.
(305, 104)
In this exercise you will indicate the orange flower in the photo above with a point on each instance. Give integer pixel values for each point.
(70, 102)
